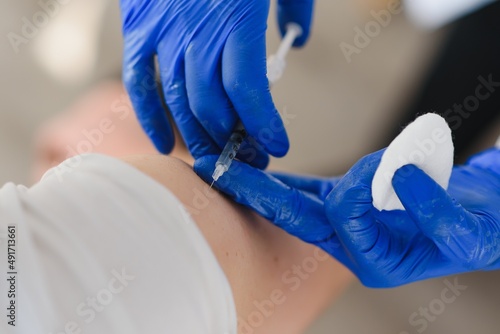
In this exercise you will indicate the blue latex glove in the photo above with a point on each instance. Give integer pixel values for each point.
(293, 203)
(287, 200)
(436, 236)
(212, 61)
(441, 233)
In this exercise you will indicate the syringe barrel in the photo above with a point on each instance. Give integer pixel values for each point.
(232, 147)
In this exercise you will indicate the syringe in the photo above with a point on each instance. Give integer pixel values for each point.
(275, 67)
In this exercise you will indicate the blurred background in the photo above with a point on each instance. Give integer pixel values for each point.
(340, 109)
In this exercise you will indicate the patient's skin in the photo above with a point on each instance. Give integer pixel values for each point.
(264, 265)
(257, 257)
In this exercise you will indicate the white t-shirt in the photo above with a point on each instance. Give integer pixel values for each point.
(102, 248)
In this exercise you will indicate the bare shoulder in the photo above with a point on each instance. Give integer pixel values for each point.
(233, 232)
(206, 206)
(263, 264)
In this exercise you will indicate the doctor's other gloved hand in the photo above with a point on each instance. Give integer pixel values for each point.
(441, 232)
(212, 64)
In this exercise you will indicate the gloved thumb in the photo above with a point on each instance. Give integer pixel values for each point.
(433, 210)
(296, 11)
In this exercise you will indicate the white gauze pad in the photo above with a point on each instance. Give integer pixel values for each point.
(425, 143)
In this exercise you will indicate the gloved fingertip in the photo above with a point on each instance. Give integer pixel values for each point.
(258, 160)
(164, 143)
(279, 146)
(404, 174)
(416, 190)
(261, 162)
(405, 181)
(299, 43)
(268, 131)
(203, 148)
(299, 12)
(302, 39)
(205, 167)
(236, 182)
(254, 156)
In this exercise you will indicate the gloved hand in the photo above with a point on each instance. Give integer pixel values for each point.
(441, 233)
(293, 203)
(212, 63)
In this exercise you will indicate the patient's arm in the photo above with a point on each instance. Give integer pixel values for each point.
(256, 257)
(263, 264)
